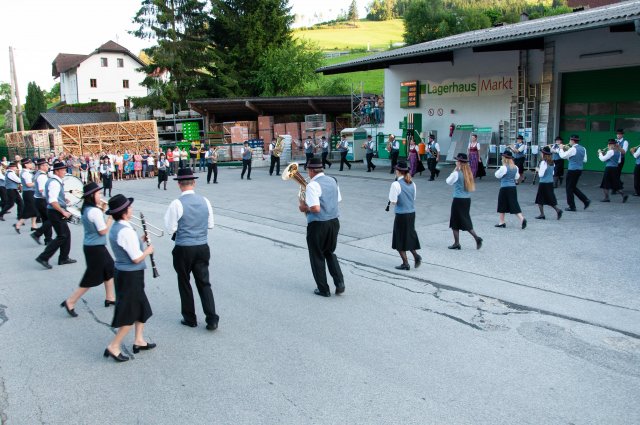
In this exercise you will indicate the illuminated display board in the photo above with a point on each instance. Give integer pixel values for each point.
(410, 94)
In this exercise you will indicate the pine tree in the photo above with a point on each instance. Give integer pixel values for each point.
(35, 103)
(352, 14)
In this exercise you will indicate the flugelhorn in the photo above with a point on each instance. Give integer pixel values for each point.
(292, 172)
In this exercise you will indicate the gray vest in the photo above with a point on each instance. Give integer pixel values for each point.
(120, 256)
(517, 153)
(576, 162)
(614, 160)
(405, 203)
(556, 155)
(10, 184)
(193, 226)
(25, 188)
(509, 179)
(61, 200)
(458, 187)
(91, 235)
(309, 148)
(2, 182)
(328, 200)
(325, 147)
(37, 194)
(247, 154)
(369, 146)
(548, 174)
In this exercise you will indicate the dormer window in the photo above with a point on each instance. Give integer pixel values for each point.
(104, 62)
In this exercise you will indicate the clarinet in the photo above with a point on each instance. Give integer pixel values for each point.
(146, 237)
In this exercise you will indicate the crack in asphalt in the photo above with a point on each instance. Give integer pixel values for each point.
(3, 315)
(449, 316)
(4, 402)
(97, 320)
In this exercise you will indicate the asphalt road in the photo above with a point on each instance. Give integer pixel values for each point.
(541, 326)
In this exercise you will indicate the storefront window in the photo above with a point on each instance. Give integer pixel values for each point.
(629, 108)
(628, 124)
(600, 125)
(600, 108)
(573, 125)
(574, 109)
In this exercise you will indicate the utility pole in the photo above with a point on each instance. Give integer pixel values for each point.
(14, 80)
(13, 93)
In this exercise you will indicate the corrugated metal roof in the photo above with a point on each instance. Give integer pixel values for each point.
(56, 119)
(619, 13)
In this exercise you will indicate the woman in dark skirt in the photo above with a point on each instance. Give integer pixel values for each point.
(403, 194)
(163, 169)
(462, 180)
(611, 177)
(97, 257)
(508, 196)
(28, 209)
(132, 305)
(546, 173)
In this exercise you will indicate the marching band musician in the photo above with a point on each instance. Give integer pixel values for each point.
(558, 163)
(624, 147)
(3, 188)
(519, 157)
(324, 144)
(636, 171)
(211, 157)
(132, 305)
(12, 184)
(343, 148)
(275, 159)
(611, 176)
(545, 195)
(58, 215)
(308, 150)
(164, 166)
(369, 147)
(246, 153)
(100, 265)
(463, 183)
(402, 194)
(577, 156)
(508, 195)
(106, 171)
(40, 179)
(393, 146)
(189, 219)
(433, 156)
(322, 196)
(28, 201)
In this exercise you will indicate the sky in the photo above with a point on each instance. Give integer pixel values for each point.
(40, 29)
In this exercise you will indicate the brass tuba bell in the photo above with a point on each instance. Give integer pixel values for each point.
(292, 172)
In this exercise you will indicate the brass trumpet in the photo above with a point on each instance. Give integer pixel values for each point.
(634, 149)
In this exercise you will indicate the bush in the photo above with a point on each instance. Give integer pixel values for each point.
(87, 107)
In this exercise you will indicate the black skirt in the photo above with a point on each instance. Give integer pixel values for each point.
(460, 218)
(29, 208)
(99, 266)
(132, 304)
(107, 181)
(558, 169)
(162, 176)
(405, 237)
(610, 179)
(508, 200)
(545, 195)
(519, 162)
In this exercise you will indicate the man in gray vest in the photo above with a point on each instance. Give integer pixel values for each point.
(324, 144)
(577, 156)
(40, 180)
(189, 219)
(308, 150)
(369, 146)
(343, 148)
(12, 184)
(321, 207)
(58, 215)
(246, 153)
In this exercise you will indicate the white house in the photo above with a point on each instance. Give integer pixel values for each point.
(108, 74)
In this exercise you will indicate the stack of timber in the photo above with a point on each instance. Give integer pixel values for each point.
(34, 141)
(109, 137)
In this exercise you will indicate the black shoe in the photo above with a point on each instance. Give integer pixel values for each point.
(570, 209)
(418, 261)
(403, 267)
(559, 213)
(586, 204)
(217, 182)
(340, 289)
(33, 229)
(119, 358)
(604, 200)
(47, 241)
(349, 166)
(17, 229)
(36, 238)
(541, 217)
(636, 194)
(44, 263)
(212, 326)
(524, 224)
(624, 198)
(431, 179)
(149, 346)
(66, 261)
(478, 243)
(368, 171)
(455, 246)
(189, 324)
(248, 178)
(1, 218)
(108, 303)
(322, 294)
(71, 311)
(503, 225)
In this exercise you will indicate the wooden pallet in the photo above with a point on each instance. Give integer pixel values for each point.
(133, 136)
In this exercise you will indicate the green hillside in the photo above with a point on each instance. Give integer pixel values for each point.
(347, 35)
(373, 80)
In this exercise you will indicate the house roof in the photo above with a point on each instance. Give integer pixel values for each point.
(66, 61)
(521, 35)
(53, 120)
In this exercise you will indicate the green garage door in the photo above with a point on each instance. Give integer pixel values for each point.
(596, 103)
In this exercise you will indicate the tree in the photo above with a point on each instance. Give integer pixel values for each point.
(426, 20)
(5, 97)
(242, 31)
(380, 10)
(53, 95)
(35, 103)
(284, 70)
(352, 14)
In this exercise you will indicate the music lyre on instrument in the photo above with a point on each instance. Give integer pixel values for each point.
(75, 189)
(148, 241)
(292, 172)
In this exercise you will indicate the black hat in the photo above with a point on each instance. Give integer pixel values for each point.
(314, 163)
(90, 188)
(620, 131)
(575, 138)
(368, 136)
(546, 150)
(58, 165)
(118, 203)
(186, 174)
(558, 138)
(507, 154)
(25, 161)
(432, 136)
(519, 137)
(612, 142)
(41, 161)
(12, 164)
(462, 157)
(402, 166)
